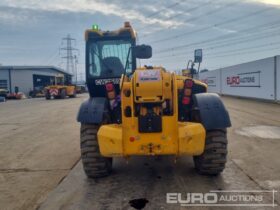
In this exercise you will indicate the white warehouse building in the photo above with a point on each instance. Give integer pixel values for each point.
(28, 78)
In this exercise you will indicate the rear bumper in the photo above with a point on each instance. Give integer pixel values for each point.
(188, 140)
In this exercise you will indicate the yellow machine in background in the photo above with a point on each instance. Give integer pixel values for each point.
(60, 90)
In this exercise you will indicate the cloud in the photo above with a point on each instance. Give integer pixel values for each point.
(6, 16)
(32, 29)
(10, 16)
(270, 2)
(87, 6)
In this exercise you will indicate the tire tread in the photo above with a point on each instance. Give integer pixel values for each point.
(214, 157)
(95, 165)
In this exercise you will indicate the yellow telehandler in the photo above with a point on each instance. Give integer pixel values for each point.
(147, 110)
(59, 89)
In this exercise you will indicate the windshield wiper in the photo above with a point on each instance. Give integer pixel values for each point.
(126, 63)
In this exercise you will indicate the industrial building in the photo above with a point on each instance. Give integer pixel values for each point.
(27, 78)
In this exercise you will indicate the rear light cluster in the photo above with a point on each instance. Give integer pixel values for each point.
(186, 100)
(111, 93)
(188, 83)
(109, 87)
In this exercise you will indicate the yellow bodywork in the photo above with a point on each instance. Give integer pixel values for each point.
(176, 138)
(70, 89)
(59, 85)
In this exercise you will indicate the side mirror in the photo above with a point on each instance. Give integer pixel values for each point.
(198, 56)
(142, 51)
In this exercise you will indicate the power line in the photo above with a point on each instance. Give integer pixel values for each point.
(248, 50)
(225, 36)
(53, 57)
(48, 59)
(213, 26)
(197, 17)
(267, 29)
(166, 8)
(244, 53)
(238, 51)
(231, 42)
(175, 16)
(249, 39)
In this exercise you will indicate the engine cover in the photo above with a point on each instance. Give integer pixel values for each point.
(148, 86)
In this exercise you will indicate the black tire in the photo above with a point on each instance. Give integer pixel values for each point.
(47, 95)
(63, 94)
(74, 94)
(214, 157)
(95, 165)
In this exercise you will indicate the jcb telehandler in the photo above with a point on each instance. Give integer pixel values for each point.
(146, 110)
(60, 89)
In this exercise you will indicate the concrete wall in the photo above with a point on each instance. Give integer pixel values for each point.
(257, 79)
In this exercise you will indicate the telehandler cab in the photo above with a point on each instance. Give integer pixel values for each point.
(136, 111)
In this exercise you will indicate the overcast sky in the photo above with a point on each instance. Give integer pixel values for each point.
(229, 31)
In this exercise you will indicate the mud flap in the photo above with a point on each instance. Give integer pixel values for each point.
(209, 110)
(92, 110)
